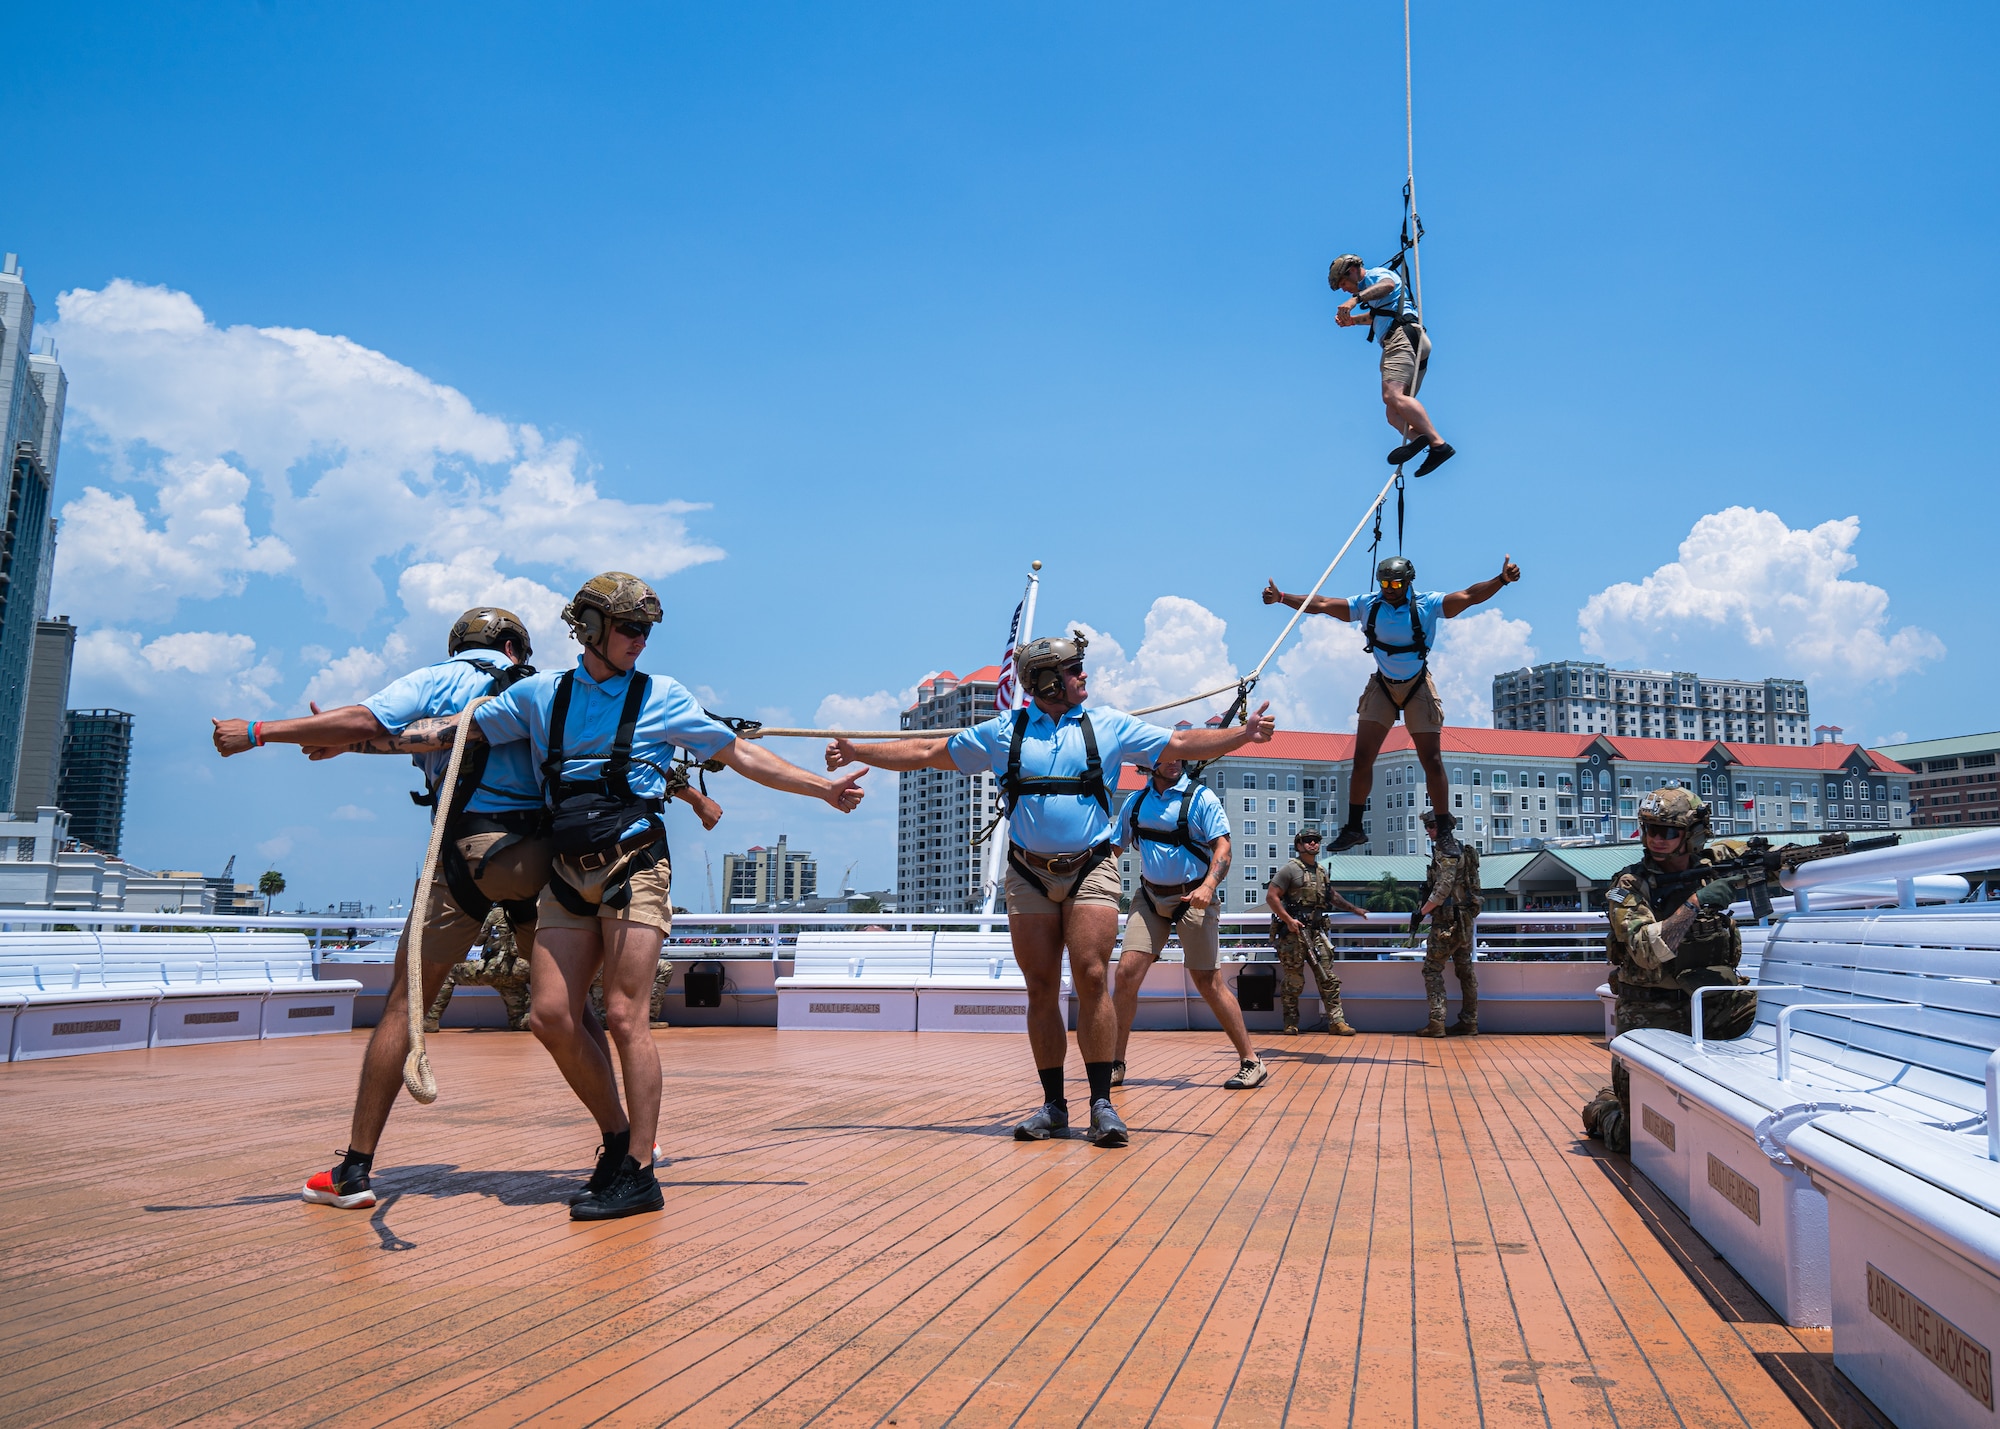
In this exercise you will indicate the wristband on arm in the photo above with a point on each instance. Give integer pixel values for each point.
(256, 740)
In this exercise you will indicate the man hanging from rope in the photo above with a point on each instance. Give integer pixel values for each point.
(603, 735)
(1058, 766)
(1400, 625)
(1379, 300)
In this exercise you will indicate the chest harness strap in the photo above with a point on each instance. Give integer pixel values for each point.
(1090, 784)
(1419, 644)
(1176, 837)
(611, 791)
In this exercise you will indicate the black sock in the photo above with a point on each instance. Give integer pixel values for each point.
(1099, 1074)
(617, 1143)
(1354, 816)
(364, 1161)
(1052, 1078)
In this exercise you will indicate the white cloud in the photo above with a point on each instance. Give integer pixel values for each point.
(353, 814)
(1473, 649)
(349, 679)
(880, 710)
(223, 669)
(116, 561)
(1184, 651)
(360, 458)
(1747, 587)
(275, 848)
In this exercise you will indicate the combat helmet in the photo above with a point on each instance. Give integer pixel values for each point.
(1337, 270)
(1397, 568)
(1040, 662)
(614, 595)
(488, 627)
(1677, 808)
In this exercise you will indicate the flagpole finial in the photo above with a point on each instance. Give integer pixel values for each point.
(1034, 565)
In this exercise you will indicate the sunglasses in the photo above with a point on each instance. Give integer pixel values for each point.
(1394, 585)
(633, 629)
(1074, 667)
(1312, 840)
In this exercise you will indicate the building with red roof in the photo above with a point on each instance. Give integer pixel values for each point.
(1511, 790)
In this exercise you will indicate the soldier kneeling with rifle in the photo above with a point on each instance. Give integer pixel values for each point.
(1670, 932)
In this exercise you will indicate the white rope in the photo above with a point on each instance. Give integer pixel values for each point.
(1410, 152)
(417, 1066)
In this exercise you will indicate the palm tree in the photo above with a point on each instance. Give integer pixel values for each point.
(1387, 895)
(270, 883)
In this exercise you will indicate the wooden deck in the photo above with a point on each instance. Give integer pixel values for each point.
(1392, 1231)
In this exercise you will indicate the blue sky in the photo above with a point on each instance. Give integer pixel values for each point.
(833, 317)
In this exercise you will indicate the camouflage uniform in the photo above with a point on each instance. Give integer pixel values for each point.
(1307, 902)
(500, 966)
(1453, 880)
(1654, 984)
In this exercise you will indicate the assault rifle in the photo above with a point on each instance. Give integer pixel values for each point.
(1757, 868)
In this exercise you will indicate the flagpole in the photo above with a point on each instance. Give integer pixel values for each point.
(996, 842)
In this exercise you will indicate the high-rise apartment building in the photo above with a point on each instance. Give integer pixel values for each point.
(1586, 697)
(766, 879)
(35, 392)
(939, 811)
(1958, 783)
(96, 762)
(39, 781)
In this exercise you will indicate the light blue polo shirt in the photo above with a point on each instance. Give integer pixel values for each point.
(1392, 627)
(1161, 812)
(510, 781)
(669, 718)
(1051, 824)
(1384, 310)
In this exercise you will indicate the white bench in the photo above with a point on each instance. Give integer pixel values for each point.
(1913, 1217)
(123, 991)
(904, 982)
(1889, 1014)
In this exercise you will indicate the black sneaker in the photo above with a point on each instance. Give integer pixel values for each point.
(601, 1175)
(1350, 836)
(1106, 1129)
(632, 1190)
(1117, 1074)
(1052, 1119)
(1439, 454)
(1407, 450)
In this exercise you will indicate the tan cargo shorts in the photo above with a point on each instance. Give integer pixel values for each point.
(1404, 363)
(1100, 885)
(519, 871)
(1422, 710)
(652, 897)
(1200, 932)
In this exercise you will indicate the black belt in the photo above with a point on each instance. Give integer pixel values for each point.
(1063, 865)
(604, 858)
(1172, 890)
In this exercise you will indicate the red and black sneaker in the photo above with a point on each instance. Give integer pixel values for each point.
(345, 1186)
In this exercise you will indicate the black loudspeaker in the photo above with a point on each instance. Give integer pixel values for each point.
(1257, 987)
(704, 985)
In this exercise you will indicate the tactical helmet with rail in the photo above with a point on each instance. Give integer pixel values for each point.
(488, 627)
(614, 595)
(1678, 809)
(1040, 662)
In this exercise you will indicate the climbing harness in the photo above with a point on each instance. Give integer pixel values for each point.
(513, 825)
(1090, 784)
(1178, 836)
(588, 817)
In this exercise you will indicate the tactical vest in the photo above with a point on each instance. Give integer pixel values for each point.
(1712, 940)
(1014, 787)
(1465, 895)
(1312, 896)
(1178, 836)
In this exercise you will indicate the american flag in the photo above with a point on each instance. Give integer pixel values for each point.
(1006, 694)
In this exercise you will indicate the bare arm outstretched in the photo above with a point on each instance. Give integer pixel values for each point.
(1460, 601)
(1333, 605)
